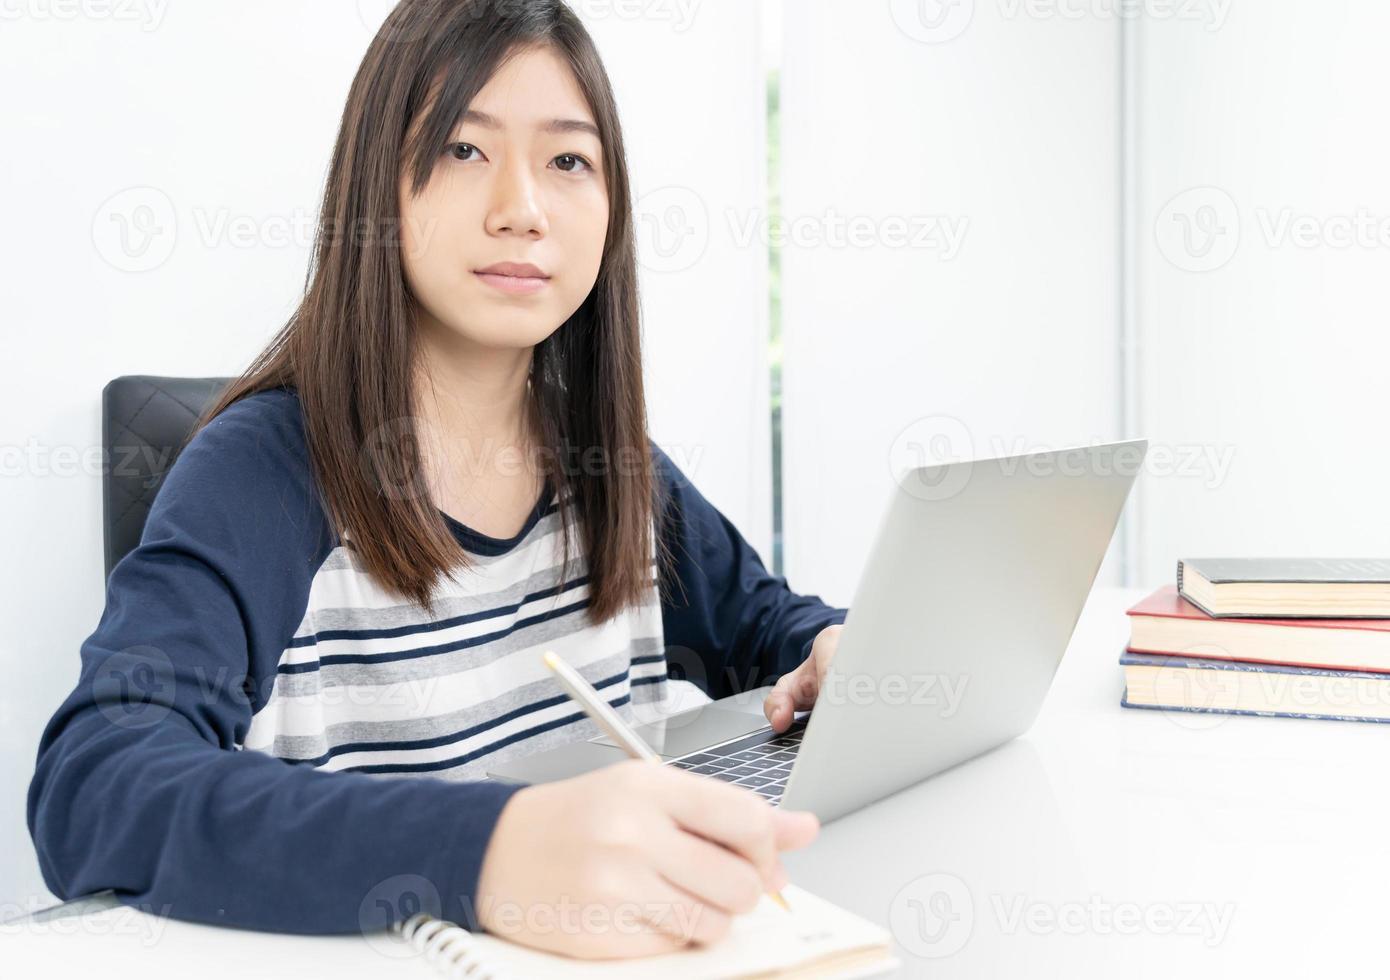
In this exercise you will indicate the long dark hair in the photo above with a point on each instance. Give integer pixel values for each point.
(349, 348)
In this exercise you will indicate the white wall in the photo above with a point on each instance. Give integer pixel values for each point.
(994, 135)
(202, 115)
(226, 110)
(698, 153)
(1263, 334)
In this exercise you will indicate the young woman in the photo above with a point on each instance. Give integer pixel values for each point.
(332, 625)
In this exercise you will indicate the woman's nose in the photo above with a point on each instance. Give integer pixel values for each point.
(516, 204)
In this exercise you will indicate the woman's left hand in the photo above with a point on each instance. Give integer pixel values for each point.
(797, 690)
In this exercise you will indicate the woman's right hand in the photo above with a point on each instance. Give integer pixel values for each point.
(631, 860)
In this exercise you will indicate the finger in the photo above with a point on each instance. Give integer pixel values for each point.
(777, 706)
(730, 816)
(793, 692)
(645, 940)
(709, 872)
(794, 829)
(621, 924)
(802, 685)
(683, 917)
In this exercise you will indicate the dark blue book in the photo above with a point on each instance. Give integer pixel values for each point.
(1297, 588)
(1183, 683)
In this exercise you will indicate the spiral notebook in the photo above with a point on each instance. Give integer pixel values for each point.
(816, 939)
(99, 937)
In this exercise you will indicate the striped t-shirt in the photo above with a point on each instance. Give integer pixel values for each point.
(262, 736)
(370, 684)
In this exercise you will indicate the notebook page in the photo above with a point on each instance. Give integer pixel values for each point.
(766, 940)
(123, 941)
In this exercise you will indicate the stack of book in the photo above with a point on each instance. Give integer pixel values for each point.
(1303, 638)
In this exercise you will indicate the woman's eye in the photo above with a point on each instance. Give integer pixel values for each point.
(574, 160)
(569, 163)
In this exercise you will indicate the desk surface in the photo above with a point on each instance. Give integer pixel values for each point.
(1112, 842)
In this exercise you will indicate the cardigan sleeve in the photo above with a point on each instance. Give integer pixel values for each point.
(729, 625)
(142, 785)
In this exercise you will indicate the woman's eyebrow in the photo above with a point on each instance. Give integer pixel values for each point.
(549, 126)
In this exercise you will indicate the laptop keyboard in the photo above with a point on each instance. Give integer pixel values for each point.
(761, 761)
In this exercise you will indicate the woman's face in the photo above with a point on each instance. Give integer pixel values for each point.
(520, 181)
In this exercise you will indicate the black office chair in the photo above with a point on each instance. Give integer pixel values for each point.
(145, 422)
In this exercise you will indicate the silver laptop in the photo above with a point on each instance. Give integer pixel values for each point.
(973, 586)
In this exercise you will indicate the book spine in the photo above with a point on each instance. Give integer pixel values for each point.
(1210, 661)
(1205, 611)
(1189, 598)
(1126, 703)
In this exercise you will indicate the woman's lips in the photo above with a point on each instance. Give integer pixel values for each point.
(513, 285)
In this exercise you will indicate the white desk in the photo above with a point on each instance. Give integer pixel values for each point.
(1107, 842)
(1254, 845)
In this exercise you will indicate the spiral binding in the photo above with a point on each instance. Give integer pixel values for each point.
(448, 948)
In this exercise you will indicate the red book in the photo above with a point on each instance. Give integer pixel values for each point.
(1166, 623)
